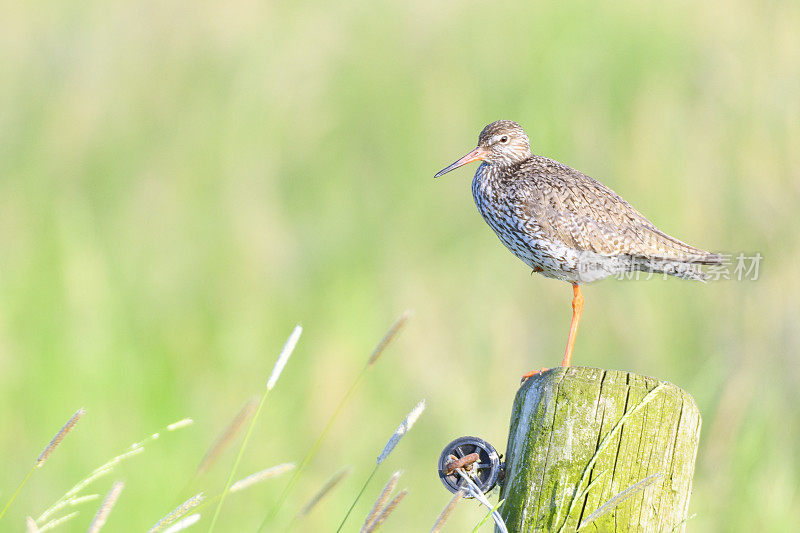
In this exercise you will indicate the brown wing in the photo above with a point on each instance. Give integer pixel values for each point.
(586, 215)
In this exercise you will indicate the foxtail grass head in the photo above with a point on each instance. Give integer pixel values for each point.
(283, 358)
(448, 510)
(260, 476)
(66, 428)
(329, 485)
(227, 436)
(384, 514)
(389, 337)
(404, 427)
(105, 508)
(177, 513)
(372, 517)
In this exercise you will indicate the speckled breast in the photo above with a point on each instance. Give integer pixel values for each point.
(523, 236)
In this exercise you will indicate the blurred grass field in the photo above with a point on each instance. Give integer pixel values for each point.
(181, 183)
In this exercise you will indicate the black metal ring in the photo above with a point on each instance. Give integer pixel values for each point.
(484, 473)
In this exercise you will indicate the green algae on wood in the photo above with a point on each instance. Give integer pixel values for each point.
(580, 437)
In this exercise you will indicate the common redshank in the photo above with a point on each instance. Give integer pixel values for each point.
(564, 224)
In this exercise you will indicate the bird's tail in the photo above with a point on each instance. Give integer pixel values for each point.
(709, 259)
(688, 267)
(670, 249)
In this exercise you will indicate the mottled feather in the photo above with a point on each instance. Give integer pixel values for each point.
(565, 224)
(586, 215)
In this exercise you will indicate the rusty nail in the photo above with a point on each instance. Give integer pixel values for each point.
(454, 463)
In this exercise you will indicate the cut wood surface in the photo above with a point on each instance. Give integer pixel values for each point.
(599, 450)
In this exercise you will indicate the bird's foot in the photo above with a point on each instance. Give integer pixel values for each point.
(533, 373)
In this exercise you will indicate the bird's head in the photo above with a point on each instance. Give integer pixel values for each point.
(501, 143)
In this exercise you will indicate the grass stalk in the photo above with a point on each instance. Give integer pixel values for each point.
(221, 444)
(227, 436)
(388, 510)
(619, 498)
(381, 501)
(404, 427)
(286, 352)
(312, 452)
(358, 497)
(488, 516)
(58, 521)
(71, 496)
(577, 495)
(177, 513)
(198, 502)
(48, 450)
(16, 492)
(183, 523)
(447, 511)
(323, 491)
(478, 494)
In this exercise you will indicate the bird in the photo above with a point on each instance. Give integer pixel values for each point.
(566, 225)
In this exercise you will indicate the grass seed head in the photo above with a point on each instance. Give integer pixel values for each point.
(381, 501)
(260, 476)
(105, 507)
(389, 337)
(324, 490)
(402, 429)
(59, 437)
(283, 358)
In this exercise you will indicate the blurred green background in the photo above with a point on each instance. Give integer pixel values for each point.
(182, 182)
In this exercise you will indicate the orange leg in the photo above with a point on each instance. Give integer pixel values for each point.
(533, 373)
(577, 308)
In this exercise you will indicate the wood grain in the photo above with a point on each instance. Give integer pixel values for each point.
(576, 427)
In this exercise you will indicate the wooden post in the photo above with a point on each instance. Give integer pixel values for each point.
(584, 437)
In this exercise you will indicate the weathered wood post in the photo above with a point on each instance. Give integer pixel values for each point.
(586, 439)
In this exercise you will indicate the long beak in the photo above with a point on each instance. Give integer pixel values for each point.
(476, 155)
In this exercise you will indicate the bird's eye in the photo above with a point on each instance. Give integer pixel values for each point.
(504, 139)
